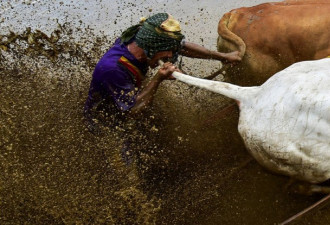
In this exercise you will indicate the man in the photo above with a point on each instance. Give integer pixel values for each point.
(116, 93)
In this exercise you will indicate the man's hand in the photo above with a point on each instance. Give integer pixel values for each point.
(146, 95)
(166, 71)
(232, 57)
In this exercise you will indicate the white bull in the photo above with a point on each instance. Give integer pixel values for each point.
(285, 123)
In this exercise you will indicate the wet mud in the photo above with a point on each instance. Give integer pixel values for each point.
(193, 167)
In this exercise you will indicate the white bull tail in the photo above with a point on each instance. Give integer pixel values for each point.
(232, 91)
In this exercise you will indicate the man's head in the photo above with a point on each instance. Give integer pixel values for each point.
(159, 33)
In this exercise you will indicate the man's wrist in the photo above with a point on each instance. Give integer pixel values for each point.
(210, 53)
(157, 78)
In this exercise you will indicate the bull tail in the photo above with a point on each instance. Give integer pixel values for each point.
(229, 36)
(240, 94)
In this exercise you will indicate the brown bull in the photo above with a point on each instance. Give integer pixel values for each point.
(272, 36)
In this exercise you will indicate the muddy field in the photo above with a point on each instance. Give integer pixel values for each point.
(194, 168)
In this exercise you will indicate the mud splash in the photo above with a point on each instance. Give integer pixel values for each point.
(56, 172)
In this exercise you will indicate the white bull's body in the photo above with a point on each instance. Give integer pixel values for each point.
(285, 123)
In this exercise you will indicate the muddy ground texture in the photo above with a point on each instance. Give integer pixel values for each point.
(54, 171)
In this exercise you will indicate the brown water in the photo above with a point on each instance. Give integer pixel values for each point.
(55, 172)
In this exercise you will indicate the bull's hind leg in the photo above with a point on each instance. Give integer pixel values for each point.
(313, 189)
(307, 188)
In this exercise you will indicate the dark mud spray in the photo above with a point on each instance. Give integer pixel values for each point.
(54, 171)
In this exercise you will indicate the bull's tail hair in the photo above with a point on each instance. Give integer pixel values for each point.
(229, 36)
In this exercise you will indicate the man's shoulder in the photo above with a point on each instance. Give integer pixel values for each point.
(109, 62)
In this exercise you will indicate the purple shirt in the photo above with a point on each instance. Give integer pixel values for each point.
(116, 82)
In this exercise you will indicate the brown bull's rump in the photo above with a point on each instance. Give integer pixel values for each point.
(272, 36)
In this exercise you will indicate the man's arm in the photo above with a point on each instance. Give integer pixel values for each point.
(196, 51)
(146, 96)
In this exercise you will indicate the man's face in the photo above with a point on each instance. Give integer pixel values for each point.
(164, 56)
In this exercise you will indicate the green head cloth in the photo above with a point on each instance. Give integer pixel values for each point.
(160, 32)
